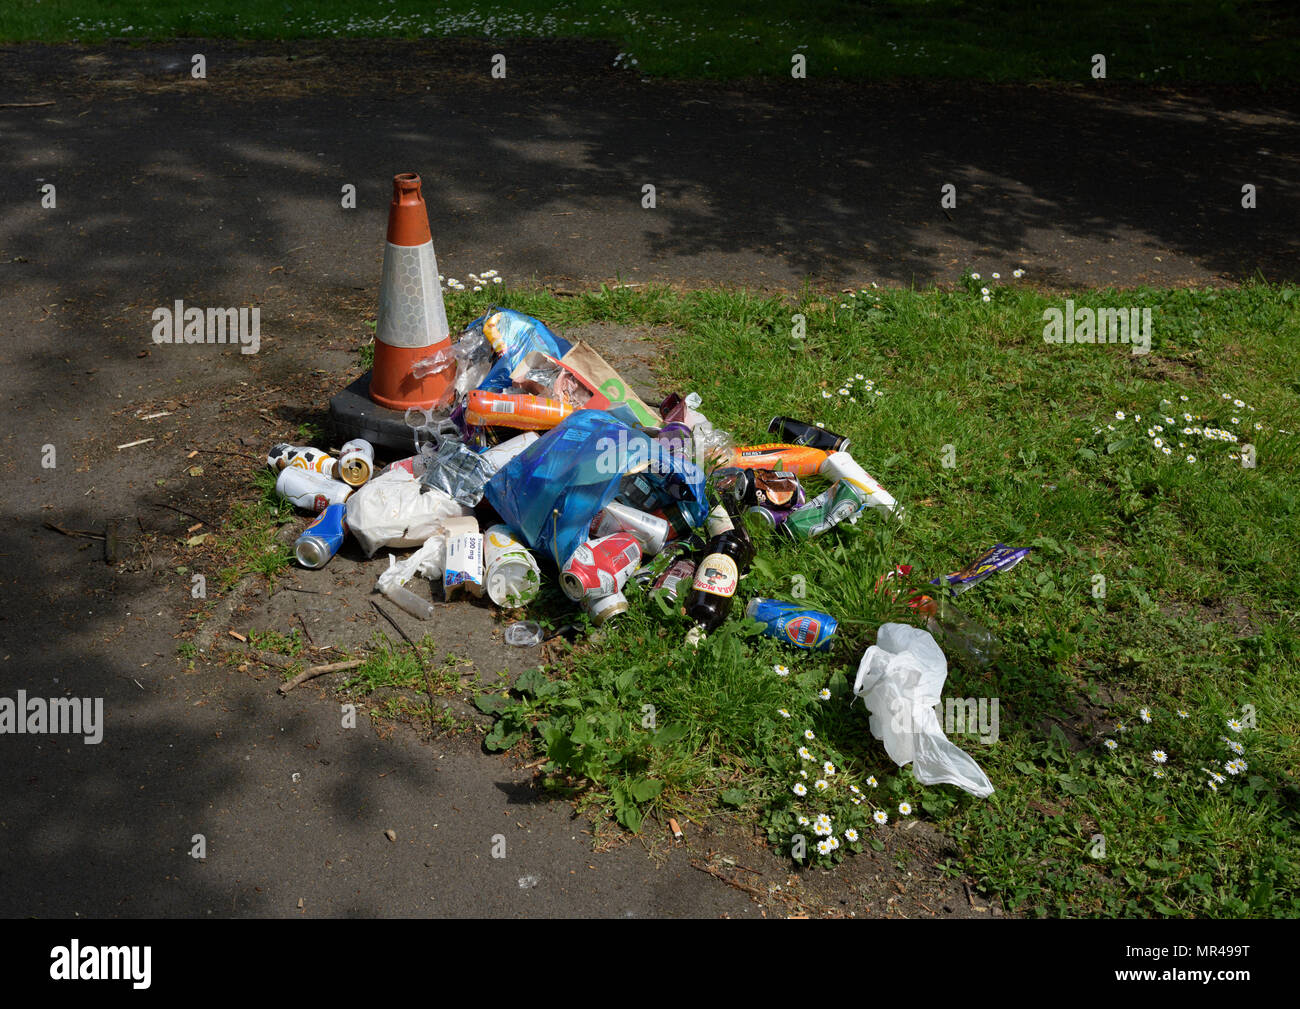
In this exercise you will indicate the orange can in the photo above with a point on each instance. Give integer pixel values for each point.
(527, 413)
(801, 460)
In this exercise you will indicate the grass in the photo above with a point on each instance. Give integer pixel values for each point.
(1248, 41)
(409, 684)
(252, 539)
(986, 434)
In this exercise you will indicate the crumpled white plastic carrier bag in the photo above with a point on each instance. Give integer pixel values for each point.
(391, 511)
(900, 680)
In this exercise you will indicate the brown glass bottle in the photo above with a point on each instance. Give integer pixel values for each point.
(717, 575)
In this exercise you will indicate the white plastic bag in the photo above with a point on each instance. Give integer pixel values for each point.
(900, 680)
(391, 511)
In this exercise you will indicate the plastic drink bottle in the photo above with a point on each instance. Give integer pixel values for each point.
(501, 409)
(801, 460)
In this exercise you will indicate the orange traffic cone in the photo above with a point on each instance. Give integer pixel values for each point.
(412, 321)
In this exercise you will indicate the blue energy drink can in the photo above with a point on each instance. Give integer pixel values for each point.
(794, 624)
(321, 540)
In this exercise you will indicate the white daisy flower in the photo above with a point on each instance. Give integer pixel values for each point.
(824, 694)
(825, 394)
(1167, 450)
(880, 816)
(802, 820)
(1159, 756)
(997, 276)
(974, 276)
(986, 298)
(781, 670)
(800, 789)
(821, 785)
(872, 782)
(1017, 273)
(1158, 442)
(905, 808)
(1159, 772)
(828, 768)
(851, 836)
(1145, 714)
(808, 735)
(1111, 744)
(1181, 712)
(783, 713)
(823, 847)
(1234, 724)
(805, 753)
(1191, 458)
(822, 825)
(984, 290)
(1119, 414)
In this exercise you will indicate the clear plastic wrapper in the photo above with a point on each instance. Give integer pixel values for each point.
(457, 471)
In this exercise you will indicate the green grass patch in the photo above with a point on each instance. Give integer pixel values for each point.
(251, 537)
(1154, 583)
(1148, 40)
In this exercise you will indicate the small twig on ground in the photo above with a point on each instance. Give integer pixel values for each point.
(182, 511)
(405, 637)
(221, 451)
(314, 671)
(84, 533)
(753, 891)
(25, 105)
(304, 629)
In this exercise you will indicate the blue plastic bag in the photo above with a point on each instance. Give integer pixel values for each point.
(552, 490)
(519, 334)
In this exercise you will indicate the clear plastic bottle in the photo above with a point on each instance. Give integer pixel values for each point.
(959, 633)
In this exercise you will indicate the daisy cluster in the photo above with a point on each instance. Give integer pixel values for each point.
(825, 800)
(986, 294)
(1156, 760)
(853, 387)
(479, 281)
(1173, 430)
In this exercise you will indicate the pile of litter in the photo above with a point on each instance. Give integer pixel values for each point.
(540, 462)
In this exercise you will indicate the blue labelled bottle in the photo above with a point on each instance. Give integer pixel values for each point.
(794, 624)
(321, 540)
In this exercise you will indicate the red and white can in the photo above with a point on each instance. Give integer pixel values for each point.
(600, 567)
(310, 490)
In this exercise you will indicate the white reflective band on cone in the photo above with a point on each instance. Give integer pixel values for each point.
(411, 313)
